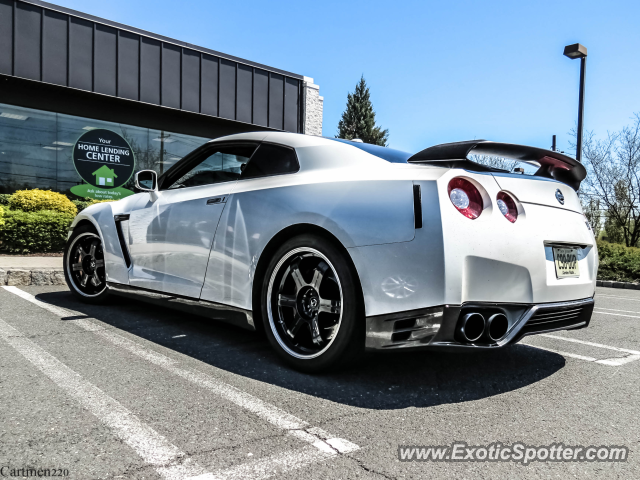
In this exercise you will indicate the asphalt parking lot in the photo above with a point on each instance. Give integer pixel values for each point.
(130, 390)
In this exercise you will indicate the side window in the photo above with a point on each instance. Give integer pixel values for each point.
(271, 160)
(215, 166)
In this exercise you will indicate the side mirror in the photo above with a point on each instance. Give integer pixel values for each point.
(146, 180)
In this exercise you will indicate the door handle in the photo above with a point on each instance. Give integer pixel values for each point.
(213, 201)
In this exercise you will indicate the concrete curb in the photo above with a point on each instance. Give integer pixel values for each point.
(37, 276)
(612, 284)
(55, 276)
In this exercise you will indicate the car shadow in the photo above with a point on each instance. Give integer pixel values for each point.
(379, 381)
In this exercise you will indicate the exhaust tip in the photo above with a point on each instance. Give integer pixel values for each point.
(472, 327)
(497, 326)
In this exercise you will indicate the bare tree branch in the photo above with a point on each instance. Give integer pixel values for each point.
(614, 180)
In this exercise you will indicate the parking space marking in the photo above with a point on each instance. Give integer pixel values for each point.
(615, 310)
(632, 355)
(617, 296)
(317, 437)
(616, 314)
(564, 354)
(153, 448)
(270, 466)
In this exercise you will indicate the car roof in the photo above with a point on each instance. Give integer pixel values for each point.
(297, 140)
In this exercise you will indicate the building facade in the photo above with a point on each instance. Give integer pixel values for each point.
(64, 73)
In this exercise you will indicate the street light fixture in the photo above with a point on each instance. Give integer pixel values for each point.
(579, 51)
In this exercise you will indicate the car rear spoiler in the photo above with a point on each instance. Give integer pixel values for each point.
(550, 164)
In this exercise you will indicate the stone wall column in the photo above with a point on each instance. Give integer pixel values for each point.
(312, 108)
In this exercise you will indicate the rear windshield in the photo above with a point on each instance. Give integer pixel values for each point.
(388, 154)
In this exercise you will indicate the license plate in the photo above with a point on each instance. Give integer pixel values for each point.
(566, 260)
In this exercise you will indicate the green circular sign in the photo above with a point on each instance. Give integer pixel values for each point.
(103, 159)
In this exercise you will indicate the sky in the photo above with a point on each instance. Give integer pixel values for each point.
(439, 71)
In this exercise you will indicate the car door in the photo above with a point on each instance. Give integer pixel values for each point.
(228, 279)
(171, 231)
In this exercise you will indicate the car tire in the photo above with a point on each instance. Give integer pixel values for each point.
(84, 267)
(312, 305)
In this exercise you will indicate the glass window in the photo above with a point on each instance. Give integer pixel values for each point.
(28, 149)
(36, 148)
(215, 166)
(271, 160)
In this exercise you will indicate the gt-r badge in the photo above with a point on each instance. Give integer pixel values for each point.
(560, 197)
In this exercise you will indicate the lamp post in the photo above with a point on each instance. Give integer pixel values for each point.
(579, 51)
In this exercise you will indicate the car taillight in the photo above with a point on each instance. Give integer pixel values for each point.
(465, 197)
(507, 206)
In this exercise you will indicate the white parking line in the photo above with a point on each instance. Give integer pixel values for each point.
(565, 354)
(633, 355)
(591, 344)
(269, 466)
(617, 296)
(616, 314)
(154, 449)
(317, 437)
(615, 310)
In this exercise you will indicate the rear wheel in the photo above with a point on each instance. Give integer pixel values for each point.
(311, 305)
(84, 268)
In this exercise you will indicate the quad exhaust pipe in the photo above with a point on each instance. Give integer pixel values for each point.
(473, 327)
(497, 326)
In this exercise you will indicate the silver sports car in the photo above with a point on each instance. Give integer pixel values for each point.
(331, 247)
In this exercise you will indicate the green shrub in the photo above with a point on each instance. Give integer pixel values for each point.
(618, 262)
(4, 198)
(1, 215)
(36, 200)
(31, 232)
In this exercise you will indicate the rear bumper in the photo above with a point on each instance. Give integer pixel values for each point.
(415, 329)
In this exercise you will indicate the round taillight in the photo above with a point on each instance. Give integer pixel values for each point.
(465, 197)
(507, 206)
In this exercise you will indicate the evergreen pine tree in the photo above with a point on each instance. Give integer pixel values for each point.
(359, 119)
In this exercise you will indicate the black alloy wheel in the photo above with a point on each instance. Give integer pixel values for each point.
(84, 265)
(312, 307)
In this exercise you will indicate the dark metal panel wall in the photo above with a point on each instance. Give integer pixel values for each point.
(291, 96)
(150, 51)
(28, 41)
(209, 86)
(80, 54)
(260, 97)
(191, 81)
(227, 97)
(6, 37)
(128, 65)
(276, 100)
(54, 45)
(104, 60)
(47, 43)
(170, 95)
(245, 80)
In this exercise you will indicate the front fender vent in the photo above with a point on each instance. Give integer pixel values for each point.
(123, 245)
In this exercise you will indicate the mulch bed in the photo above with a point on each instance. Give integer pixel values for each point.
(48, 254)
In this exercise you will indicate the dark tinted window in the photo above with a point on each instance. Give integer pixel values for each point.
(271, 160)
(215, 166)
(386, 153)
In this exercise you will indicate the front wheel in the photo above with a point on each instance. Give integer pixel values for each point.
(84, 268)
(311, 305)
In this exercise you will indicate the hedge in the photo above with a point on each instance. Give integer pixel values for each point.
(1, 215)
(618, 262)
(28, 232)
(4, 198)
(36, 200)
